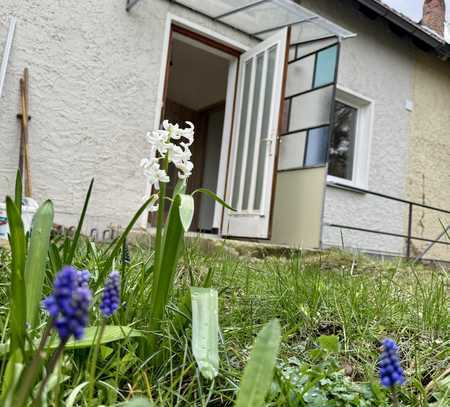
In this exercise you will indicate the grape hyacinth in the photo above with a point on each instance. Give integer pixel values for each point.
(111, 295)
(391, 372)
(69, 303)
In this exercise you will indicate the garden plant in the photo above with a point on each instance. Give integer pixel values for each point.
(87, 324)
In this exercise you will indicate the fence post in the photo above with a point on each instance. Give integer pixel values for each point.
(408, 241)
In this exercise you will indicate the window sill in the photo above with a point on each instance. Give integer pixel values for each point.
(334, 183)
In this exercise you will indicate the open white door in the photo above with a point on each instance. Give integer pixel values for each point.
(254, 140)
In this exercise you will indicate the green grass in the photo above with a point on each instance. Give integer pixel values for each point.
(358, 299)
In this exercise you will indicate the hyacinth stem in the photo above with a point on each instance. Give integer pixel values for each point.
(394, 395)
(29, 374)
(49, 370)
(160, 224)
(98, 337)
(158, 249)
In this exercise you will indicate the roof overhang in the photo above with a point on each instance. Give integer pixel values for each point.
(411, 27)
(261, 18)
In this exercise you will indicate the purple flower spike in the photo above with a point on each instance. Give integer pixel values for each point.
(69, 303)
(111, 295)
(391, 373)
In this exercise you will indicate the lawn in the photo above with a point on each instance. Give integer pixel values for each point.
(334, 309)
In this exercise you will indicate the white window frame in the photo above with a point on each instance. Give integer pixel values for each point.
(363, 138)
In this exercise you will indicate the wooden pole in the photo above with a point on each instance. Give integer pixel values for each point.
(25, 152)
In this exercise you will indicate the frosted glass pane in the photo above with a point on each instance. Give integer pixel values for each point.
(215, 8)
(265, 16)
(284, 117)
(240, 135)
(325, 67)
(311, 109)
(268, 89)
(292, 150)
(307, 31)
(317, 146)
(300, 76)
(253, 128)
(304, 49)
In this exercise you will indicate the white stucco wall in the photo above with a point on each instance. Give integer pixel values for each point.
(379, 66)
(94, 76)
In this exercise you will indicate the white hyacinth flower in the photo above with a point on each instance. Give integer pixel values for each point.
(159, 140)
(154, 172)
(161, 146)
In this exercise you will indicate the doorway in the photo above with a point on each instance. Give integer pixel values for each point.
(198, 89)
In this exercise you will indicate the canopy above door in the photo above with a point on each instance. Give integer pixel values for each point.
(261, 18)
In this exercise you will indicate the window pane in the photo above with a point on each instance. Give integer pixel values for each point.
(342, 145)
(300, 76)
(312, 109)
(268, 89)
(325, 67)
(292, 150)
(241, 138)
(317, 145)
(252, 136)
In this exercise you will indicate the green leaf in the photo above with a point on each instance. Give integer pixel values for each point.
(257, 378)
(138, 402)
(112, 333)
(10, 377)
(36, 259)
(18, 192)
(215, 197)
(105, 351)
(18, 305)
(329, 343)
(164, 275)
(205, 330)
(69, 257)
(186, 210)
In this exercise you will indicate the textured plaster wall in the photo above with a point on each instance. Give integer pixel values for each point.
(94, 76)
(428, 178)
(379, 66)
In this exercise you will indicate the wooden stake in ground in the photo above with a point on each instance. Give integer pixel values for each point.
(24, 156)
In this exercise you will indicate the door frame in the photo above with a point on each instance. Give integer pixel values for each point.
(223, 44)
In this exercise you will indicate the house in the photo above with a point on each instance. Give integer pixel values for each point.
(308, 115)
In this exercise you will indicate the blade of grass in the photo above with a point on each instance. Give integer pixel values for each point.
(119, 242)
(68, 259)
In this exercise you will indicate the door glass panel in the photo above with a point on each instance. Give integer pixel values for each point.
(265, 130)
(241, 139)
(253, 128)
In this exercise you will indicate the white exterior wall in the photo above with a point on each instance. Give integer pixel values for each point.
(379, 66)
(94, 78)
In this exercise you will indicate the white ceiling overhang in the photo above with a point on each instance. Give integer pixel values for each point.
(261, 18)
